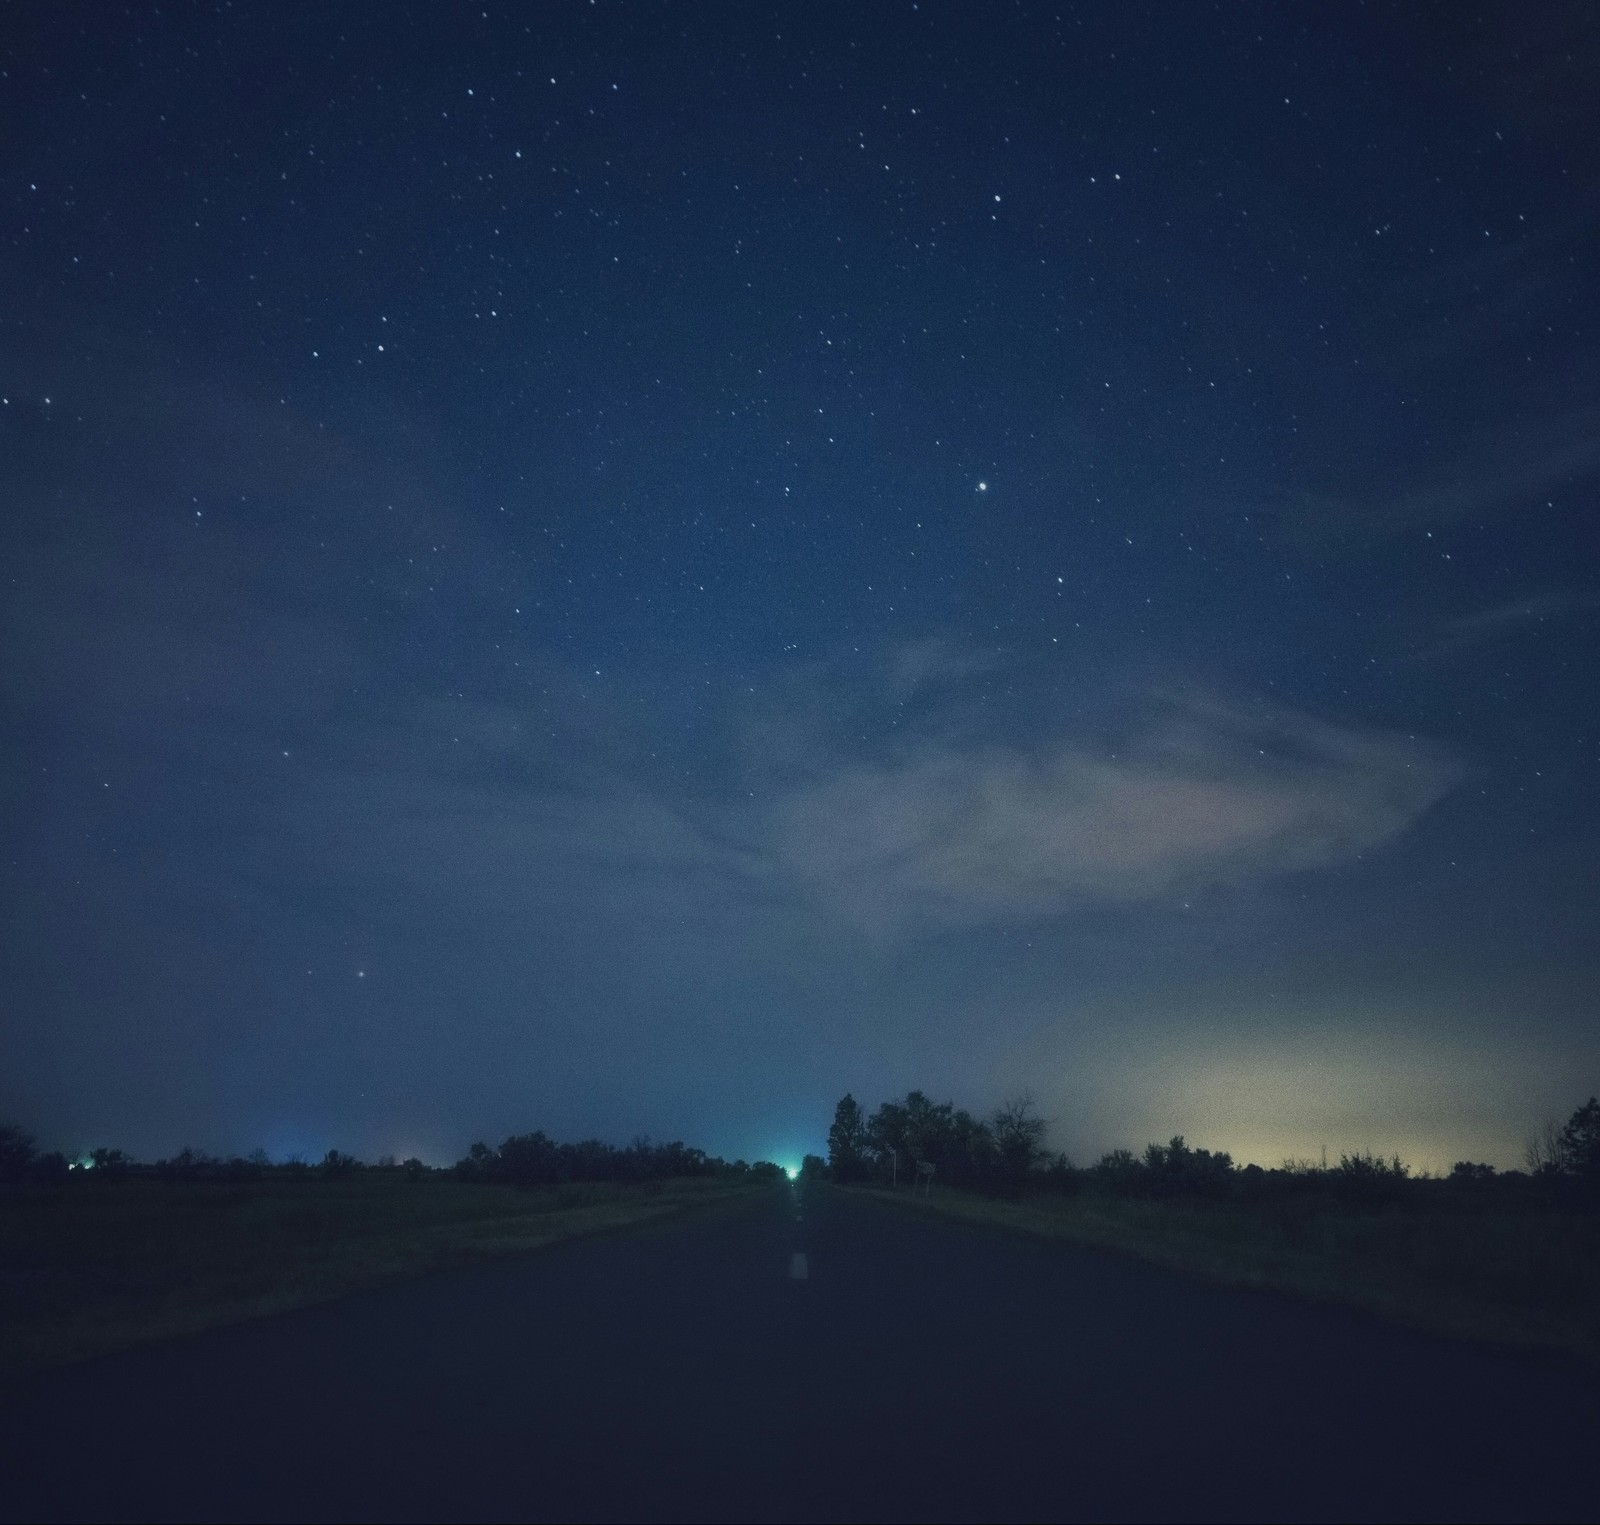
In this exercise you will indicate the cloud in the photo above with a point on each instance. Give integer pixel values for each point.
(1203, 793)
(1484, 626)
(935, 661)
(947, 828)
(1494, 476)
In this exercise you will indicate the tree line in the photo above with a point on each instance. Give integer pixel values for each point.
(902, 1139)
(22, 1160)
(532, 1159)
(916, 1141)
(524, 1159)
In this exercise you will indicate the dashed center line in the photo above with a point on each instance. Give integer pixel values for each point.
(798, 1270)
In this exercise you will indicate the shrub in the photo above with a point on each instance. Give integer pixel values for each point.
(51, 1167)
(17, 1152)
(108, 1164)
(1368, 1177)
(1120, 1173)
(336, 1164)
(1580, 1144)
(1176, 1170)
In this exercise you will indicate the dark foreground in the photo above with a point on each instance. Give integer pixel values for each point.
(919, 1370)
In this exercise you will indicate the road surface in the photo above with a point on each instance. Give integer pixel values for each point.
(805, 1355)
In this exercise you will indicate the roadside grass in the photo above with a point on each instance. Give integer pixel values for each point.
(88, 1268)
(1523, 1279)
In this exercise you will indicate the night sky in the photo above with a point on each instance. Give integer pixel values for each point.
(631, 568)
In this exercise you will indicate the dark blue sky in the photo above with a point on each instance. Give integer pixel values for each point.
(632, 568)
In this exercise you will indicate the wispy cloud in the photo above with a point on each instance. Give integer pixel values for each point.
(935, 661)
(1493, 476)
(937, 830)
(1484, 626)
(1204, 792)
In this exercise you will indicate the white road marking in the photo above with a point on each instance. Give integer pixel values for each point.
(797, 1267)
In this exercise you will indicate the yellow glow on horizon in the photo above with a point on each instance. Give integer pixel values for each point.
(1266, 1097)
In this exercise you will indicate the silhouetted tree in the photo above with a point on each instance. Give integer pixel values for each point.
(1018, 1139)
(1060, 1176)
(109, 1163)
(478, 1165)
(51, 1167)
(17, 1151)
(190, 1165)
(1544, 1153)
(888, 1139)
(1120, 1173)
(1580, 1145)
(532, 1160)
(962, 1150)
(847, 1141)
(1177, 1170)
(929, 1128)
(813, 1168)
(1368, 1177)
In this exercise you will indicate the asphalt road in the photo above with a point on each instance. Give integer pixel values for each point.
(805, 1356)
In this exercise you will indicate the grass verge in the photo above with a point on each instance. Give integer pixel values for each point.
(1526, 1280)
(95, 1268)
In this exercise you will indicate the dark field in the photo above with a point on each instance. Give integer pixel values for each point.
(1526, 1278)
(88, 1267)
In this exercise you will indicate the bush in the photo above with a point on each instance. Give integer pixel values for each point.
(51, 1167)
(532, 1160)
(1120, 1174)
(1176, 1170)
(1060, 1177)
(1368, 1177)
(335, 1164)
(108, 1164)
(17, 1152)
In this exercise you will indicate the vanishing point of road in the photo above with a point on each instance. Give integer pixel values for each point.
(804, 1354)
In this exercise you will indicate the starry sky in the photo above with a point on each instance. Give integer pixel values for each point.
(631, 568)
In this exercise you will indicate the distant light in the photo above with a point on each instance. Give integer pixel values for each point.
(792, 1173)
(983, 487)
